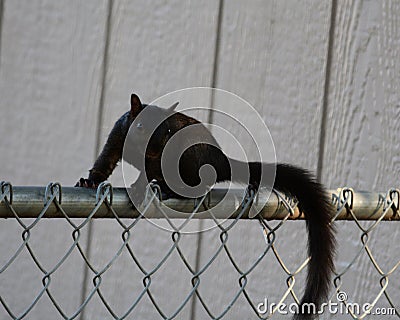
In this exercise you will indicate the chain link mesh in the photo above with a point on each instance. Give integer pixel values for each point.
(387, 205)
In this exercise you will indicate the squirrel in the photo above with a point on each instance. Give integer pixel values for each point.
(312, 197)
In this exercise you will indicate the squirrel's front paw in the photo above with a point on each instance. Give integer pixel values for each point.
(86, 183)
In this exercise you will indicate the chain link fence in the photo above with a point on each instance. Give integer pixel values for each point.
(29, 206)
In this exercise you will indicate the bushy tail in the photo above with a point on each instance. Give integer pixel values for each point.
(315, 204)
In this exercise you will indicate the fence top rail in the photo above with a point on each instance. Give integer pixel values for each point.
(29, 202)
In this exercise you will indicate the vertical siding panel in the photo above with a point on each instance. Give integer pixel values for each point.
(155, 47)
(273, 54)
(362, 138)
(51, 56)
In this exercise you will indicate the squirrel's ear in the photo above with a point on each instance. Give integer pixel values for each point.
(136, 104)
(172, 108)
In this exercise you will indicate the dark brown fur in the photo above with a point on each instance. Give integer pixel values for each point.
(312, 196)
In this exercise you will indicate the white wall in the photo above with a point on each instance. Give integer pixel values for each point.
(67, 70)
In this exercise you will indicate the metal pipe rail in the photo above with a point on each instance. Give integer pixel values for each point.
(29, 202)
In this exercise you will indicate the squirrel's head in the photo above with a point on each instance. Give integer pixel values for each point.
(149, 121)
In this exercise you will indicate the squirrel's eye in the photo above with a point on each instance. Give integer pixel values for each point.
(169, 130)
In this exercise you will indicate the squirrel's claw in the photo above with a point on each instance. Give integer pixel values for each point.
(86, 183)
